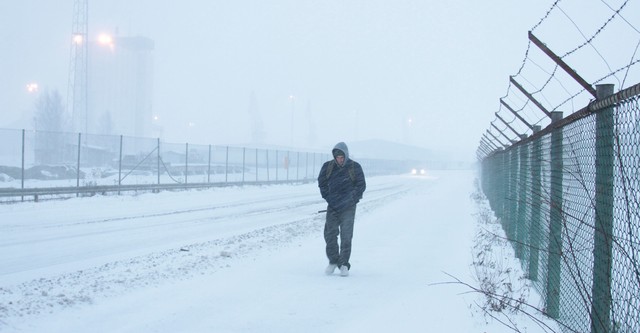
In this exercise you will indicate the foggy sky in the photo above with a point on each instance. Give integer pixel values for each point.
(424, 73)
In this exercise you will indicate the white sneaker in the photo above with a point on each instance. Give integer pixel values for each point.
(330, 269)
(344, 271)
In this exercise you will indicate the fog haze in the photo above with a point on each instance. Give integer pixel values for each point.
(423, 73)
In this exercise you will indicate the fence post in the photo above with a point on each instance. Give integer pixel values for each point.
(78, 164)
(496, 182)
(257, 168)
(601, 289)
(504, 182)
(226, 167)
(490, 166)
(536, 204)
(306, 165)
(499, 180)
(186, 163)
(120, 167)
(555, 221)
(209, 166)
(22, 168)
(297, 165)
(158, 149)
(523, 189)
(244, 154)
(512, 200)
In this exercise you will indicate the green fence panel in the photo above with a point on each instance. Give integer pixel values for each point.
(569, 199)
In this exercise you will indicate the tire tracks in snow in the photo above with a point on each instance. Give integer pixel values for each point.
(80, 288)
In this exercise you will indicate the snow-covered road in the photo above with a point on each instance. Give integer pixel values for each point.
(53, 237)
(240, 259)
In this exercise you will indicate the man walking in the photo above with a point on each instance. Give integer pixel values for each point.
(342, 184)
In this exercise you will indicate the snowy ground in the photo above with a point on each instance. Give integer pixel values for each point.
(244, 260)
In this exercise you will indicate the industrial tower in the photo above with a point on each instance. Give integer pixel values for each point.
(77, 101)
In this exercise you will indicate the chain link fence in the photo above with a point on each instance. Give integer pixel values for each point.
(568, 198)
(38, 163)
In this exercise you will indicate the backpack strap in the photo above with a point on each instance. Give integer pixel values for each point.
(330, 168)
(352, 172)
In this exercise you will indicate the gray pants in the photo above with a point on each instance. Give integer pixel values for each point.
(339, 223)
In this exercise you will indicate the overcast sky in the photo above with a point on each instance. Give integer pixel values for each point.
(420, 72)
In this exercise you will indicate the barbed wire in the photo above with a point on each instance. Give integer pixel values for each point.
(628, 68)
(588, 41)
(551, 76)
(596, 82)
(555, 4)
(633, 62)
(524, 101)
(622, 17)
(524, 61)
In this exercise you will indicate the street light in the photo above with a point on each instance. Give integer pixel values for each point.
(105, 39)
(32, 87)
(407, 129)
(78, 39)
(157, 126)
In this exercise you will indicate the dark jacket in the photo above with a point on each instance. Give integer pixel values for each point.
(341, 186)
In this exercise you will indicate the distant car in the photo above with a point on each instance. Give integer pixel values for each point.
(418, 171)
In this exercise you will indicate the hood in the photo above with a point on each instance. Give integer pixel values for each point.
(342, 147)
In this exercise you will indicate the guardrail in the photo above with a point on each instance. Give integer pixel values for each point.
(37, 193)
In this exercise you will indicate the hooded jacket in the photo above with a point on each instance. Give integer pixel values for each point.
(341, 186)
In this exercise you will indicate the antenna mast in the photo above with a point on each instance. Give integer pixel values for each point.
(77, 101)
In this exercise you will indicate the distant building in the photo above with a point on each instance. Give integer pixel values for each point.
(120, 88)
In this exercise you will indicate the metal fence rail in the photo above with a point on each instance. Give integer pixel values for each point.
(55, 192)
(568, 198)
